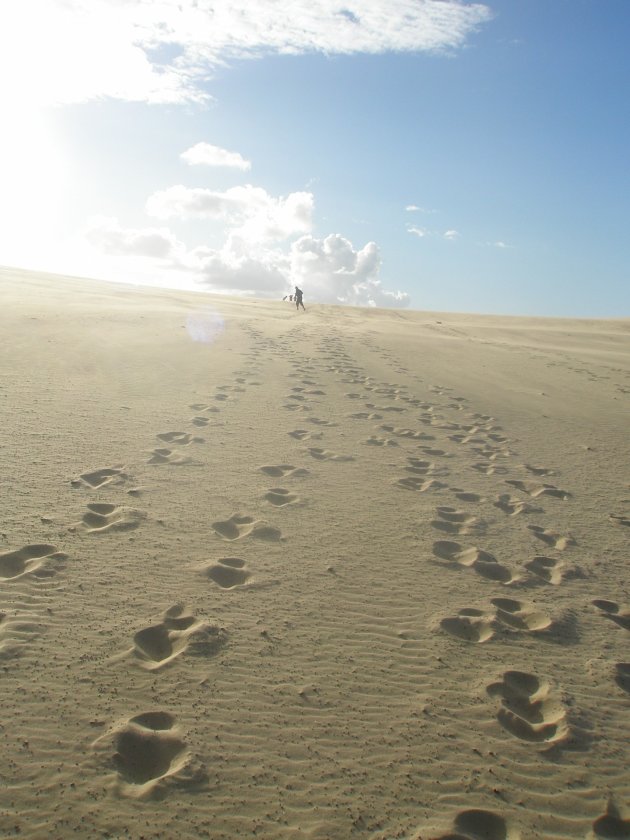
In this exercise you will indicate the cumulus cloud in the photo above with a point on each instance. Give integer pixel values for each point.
(421, 232)
(330, 270)
(165, 49)
(451, 235)
(106, 234)
(204, 154)
(334, 272)
(236, 268)
(250, 211)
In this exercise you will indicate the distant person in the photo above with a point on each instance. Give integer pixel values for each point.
(298, 298)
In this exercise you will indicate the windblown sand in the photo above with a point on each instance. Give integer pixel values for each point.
(339, 573)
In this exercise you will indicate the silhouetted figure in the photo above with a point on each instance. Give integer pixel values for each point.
(298, 298)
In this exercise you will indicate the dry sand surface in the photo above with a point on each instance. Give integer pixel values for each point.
(339, 573)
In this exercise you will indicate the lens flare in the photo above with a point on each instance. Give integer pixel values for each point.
(205, 325)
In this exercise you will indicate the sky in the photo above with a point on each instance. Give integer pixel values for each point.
(432, 154)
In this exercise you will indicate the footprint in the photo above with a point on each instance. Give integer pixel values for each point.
(99, 478)
(469, 625)
(481, 561)
(238, 389)
(282, 470)
(208, 409)
(365, 415)
(619, 520)
(489, 468)
(319, 422)
(529, 710)
(228, 572)
(463, 496)
(419, 467)
(448, 526)
(397, 408)
(373, 440)
(17, 630)
(454, 521)
(420, 485)
(551, 538)
(612, 610)
(535, 490)
(297, 407)
(513, 506)
(516, 616)
(279, 497)
(179, 438)
(149, 755)
(102, 517)
(237, 527)
(545, 568)
(611, 825)
(406, 433)
(437, 453)
(159, 644)
(38, 559)
(477, 824)
(200, 421)
(304, 434)
(326, 455)
(538, 470)
(622, 676)
(167, 456)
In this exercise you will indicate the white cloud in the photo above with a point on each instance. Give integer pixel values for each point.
(451, 235)
(330, 270)
(234, 269)
(56, 51)
(204, 154)
(250, 211)
(421, 232)
(500, 244)
(106, 234)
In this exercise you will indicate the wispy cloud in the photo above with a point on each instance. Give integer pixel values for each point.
(451, 235)
(204, 154)
(165, 49)
(414, 208)
(421, 232)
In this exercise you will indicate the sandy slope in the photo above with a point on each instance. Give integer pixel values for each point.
(332, 574)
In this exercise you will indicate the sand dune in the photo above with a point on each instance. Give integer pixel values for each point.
(330, 574)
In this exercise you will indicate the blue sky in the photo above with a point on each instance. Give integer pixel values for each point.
(436, 155)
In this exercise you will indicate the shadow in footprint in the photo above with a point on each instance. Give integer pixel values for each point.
(528, 709)
(612, 611)
(228, 572)
(149, 755)
(484, 563)
(37, 559)
(179, 632)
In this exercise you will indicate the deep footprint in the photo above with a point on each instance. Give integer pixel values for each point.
(228, 572)
(179, 632)
(38, 559)
(528, 709)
